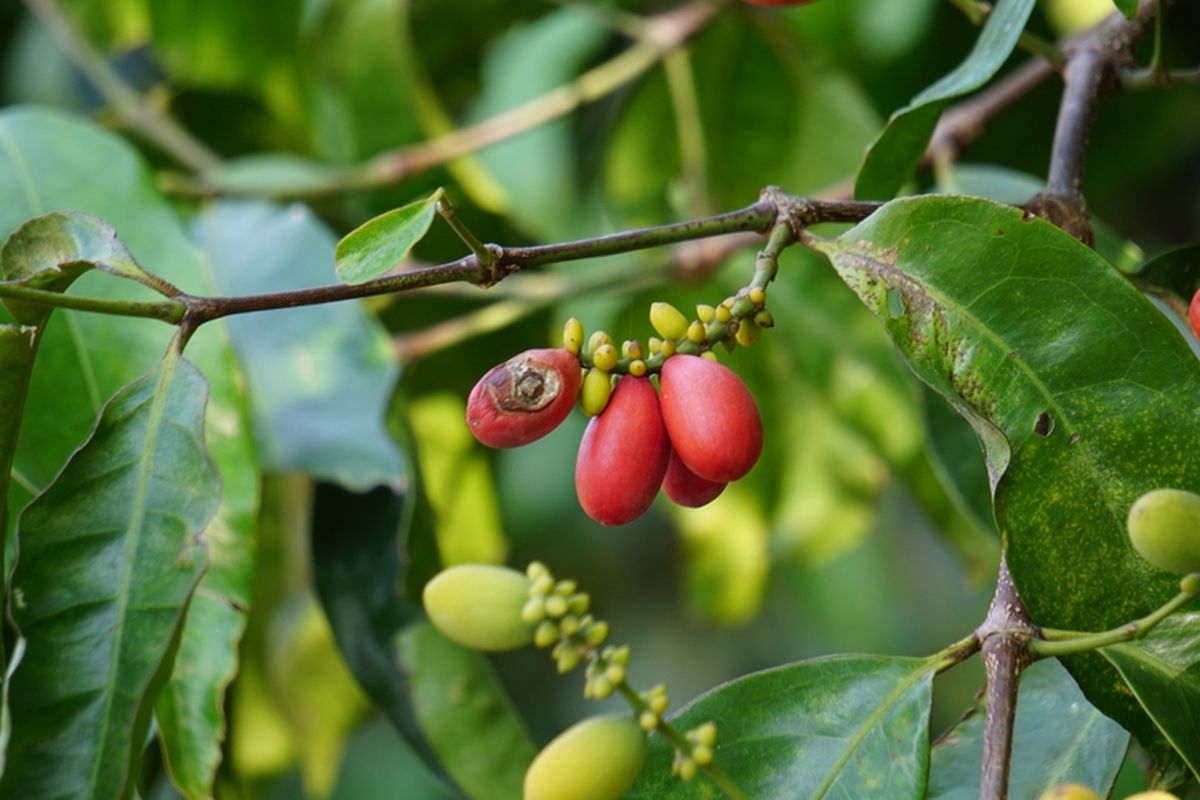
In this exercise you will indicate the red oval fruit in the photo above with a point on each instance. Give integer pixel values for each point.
(1194, 314)
(686, 487)
(623, 455)
(711, 418)
(524, 398)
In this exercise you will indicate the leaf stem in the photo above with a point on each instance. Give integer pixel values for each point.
(171, 310)
(154, 125)
(1064, 643)
(681, 743)
(446, 209)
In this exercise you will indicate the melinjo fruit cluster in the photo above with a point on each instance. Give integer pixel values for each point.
(696, 432)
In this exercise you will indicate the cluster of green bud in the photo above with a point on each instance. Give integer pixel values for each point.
(656, 703)
(606, 672)
(701, 739)
(560, 613)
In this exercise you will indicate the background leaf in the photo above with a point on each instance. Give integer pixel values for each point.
(1163, 670)
(893, 157)
(381, 243)
(110, 555)
(843, 726)
(318, 377)
(1003, 316)
(465, 714)
(1059, 738)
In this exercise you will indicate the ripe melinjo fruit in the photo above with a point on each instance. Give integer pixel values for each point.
(597, 759)
(623, 455)
(686, 487)
(524, 398)
(711, 418)
(479, 605)
(1164, 527)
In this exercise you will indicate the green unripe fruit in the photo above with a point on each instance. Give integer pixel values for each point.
(597, 759)
(573, 336)
(556, 605)
(1164, 528)
(748, 333)
(605, 357)
(1154, 794)
(480, 606)
(546, 634)
(1070, 791)
(723, 313)
(597, 340)
(597, 388)
(668, 320)
(596, 633)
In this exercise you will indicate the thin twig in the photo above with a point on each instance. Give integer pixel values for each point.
(1139, 80)
(153, 125)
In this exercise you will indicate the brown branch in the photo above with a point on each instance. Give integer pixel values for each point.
(1005, 635)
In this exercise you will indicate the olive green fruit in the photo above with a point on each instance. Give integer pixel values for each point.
(1070, 791)
(480, 606)
(668, 320)
(573, 336)
(1164, 528)
(605, 357)
(597, 759)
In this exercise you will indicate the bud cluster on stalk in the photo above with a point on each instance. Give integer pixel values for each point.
(690, 436)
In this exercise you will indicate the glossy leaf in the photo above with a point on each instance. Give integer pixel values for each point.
(52, 160)
(1163, 670)
(843, 726)
(381, 243)
(894, 156)
(359, 560)
(1081, 391)
(1175, 272)
(1059, 738)
(319, 376)
(110, 555)
(465, 713)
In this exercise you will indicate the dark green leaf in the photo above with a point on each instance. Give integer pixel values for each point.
(110, 555)
(318, 377)
(49, 252)
(54, 161)
(360, 560)
(465, 713)
(18, 344)
(894, 156)
(1163, 670)
(844, 727)
(381, 243)
(1175, 272)
(1081, 391)
(1127, 7)
(1059, 738)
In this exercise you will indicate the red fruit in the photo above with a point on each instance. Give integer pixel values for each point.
(524, 398)
(686, 487)
(711, 418)
(1194, 314)
(623, 455)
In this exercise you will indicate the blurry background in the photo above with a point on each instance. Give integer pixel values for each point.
(864, 528)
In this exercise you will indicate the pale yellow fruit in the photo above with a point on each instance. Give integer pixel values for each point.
(597, 759)
(1154, 794)
(1070, 791)
(1164, 527)
(480, 605)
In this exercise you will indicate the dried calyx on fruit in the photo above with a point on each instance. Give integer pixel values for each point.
(524, 398)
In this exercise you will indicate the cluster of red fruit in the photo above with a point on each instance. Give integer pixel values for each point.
(701, 433)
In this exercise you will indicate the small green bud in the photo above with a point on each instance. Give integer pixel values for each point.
(556, 605)
(765, 319)
(534, 610)
(668, 349)
(1070, 791)
(648, 721)
(573, 336)
(655, 345)
(541, 585)
(598, 340)
(1190, 583)
(668, 320)
(596, 633)
(546, 634)
(569, 625)
(705, 734)
(632, 348)
(1164, 528)
(685, 768)
(695, 332)
(702, 754)
(615, 673)
(535, 570)
(600, 687)
(480, 606)
(709, 355)
(568, 659)
(605, 357)
(748, 333)
(597, 388)
(578, 603)
(597, 759)
(705, 313)
(637, 368)
(566, 587)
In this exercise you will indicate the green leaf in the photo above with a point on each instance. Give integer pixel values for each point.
(318, 377)
(18, 344)
(1175, 272)
(110, 555)
(273, 174)
(359, 559)
(894, 156)
(843, 726)
(1127, 7)
(1059, 738)
(1163, 670)
(1081, 391)
(381, 243)
(465, 713)
(50, 160)
(49, 252)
